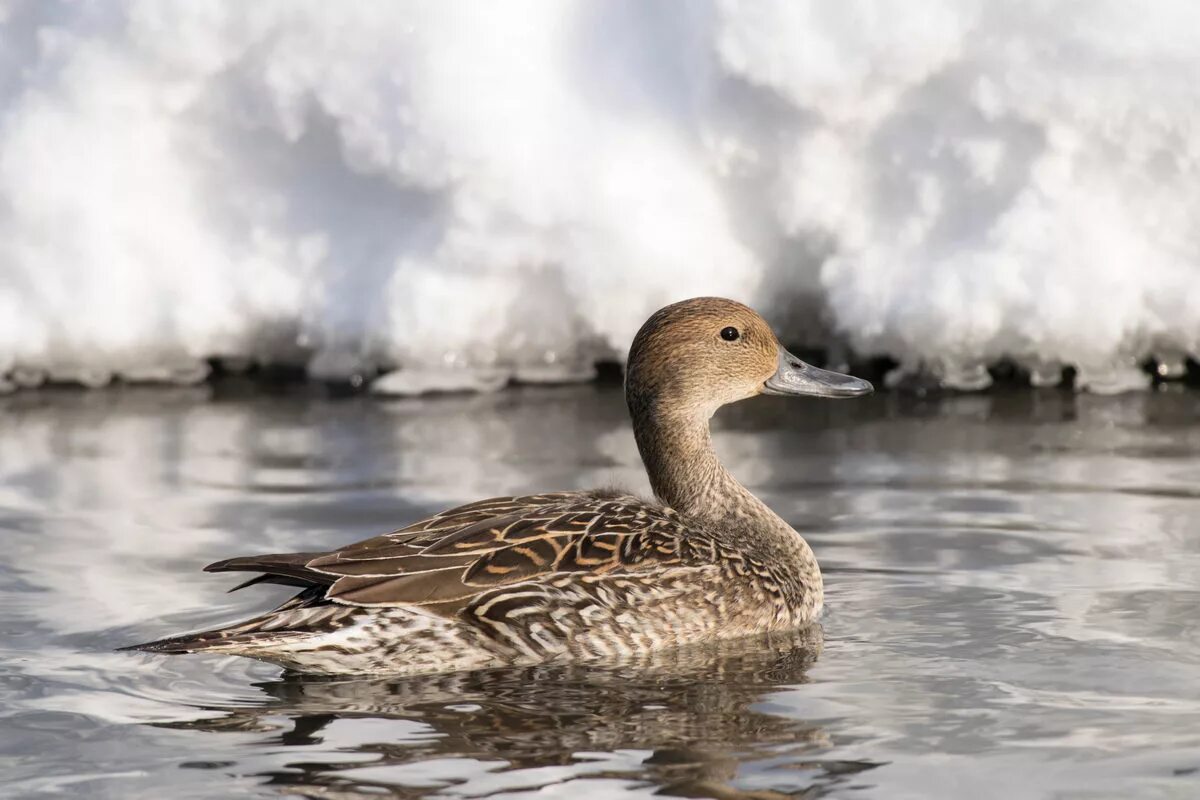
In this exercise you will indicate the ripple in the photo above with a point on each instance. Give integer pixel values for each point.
(1009, 599)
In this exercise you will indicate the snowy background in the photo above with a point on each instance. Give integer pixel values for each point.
(466, 192)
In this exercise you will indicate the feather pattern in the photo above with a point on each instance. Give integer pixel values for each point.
(566, 575)
(519, 579)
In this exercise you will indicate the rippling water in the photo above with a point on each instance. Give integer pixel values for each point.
(1013, 601)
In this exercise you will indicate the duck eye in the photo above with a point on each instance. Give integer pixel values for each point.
(730, 334)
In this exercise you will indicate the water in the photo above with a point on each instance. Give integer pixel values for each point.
(1013, 601)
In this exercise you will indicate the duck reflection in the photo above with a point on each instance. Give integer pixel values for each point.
(693, 710)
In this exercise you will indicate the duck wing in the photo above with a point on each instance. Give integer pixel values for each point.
(445, 562)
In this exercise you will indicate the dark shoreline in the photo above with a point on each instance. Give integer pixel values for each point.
(295, 380)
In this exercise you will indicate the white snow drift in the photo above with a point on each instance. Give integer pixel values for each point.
(470, 191)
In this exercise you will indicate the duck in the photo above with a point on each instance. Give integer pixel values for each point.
(568, 576)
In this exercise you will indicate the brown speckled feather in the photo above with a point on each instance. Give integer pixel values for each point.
(448, 559)
(569, 575)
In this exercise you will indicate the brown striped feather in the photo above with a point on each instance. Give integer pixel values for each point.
(446, 561)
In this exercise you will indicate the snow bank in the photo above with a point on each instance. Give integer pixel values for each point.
(471, 191)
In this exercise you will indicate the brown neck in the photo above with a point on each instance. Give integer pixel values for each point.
(686, 474)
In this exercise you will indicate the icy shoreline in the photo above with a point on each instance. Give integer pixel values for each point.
(884, 372)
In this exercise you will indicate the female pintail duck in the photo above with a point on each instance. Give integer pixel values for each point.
(569, 576)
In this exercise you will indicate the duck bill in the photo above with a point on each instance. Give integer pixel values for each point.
(799, 379)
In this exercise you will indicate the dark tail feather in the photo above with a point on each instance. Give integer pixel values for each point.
(298, 617)
(280, 565)
(282, 580)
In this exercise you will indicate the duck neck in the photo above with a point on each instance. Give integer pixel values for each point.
(686, 474)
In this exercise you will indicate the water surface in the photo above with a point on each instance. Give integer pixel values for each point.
(1013, 601)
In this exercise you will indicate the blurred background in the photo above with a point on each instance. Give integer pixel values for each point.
(406, 198)
(463, 193)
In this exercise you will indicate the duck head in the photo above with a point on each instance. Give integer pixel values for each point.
(695, 356)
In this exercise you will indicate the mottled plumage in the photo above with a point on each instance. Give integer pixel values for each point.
(565, 576)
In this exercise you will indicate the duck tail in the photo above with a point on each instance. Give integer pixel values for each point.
(270, 631)
(232, 639)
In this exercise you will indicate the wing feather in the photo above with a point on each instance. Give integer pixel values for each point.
(446, 561)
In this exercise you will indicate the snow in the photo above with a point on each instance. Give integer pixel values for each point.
(463, 192)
